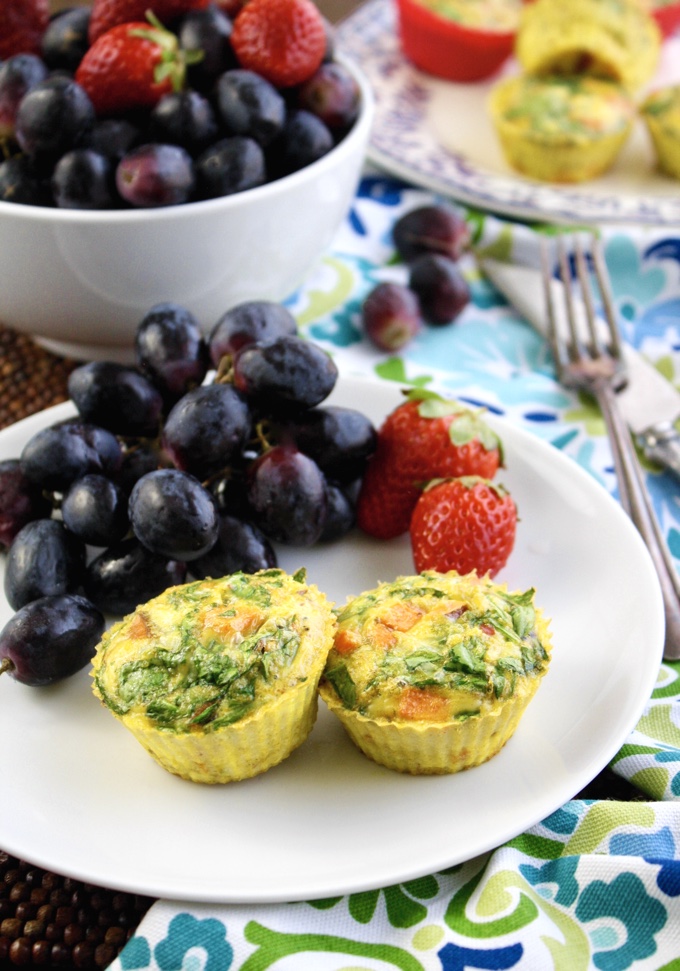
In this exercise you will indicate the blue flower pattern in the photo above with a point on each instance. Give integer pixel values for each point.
(186, 934)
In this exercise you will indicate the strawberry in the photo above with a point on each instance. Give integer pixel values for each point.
(282, 40)
(132, 66)
(466, 524)
(426, 437)
(22, 24)
(109, 13)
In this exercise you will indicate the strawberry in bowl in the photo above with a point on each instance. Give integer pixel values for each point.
(22, 24)
(458, 40)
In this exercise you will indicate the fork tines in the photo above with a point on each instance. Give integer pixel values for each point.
(576, 331)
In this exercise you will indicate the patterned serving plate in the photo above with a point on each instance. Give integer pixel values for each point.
(438, 135)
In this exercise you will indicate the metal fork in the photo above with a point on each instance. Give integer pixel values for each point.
(588, 356)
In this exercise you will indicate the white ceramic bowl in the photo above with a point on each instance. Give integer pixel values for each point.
(80, 282)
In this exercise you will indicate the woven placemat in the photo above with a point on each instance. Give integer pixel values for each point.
(52, 921)
(48, 920)
(30, 377)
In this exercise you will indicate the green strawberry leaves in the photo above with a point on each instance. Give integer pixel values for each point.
(468, 425)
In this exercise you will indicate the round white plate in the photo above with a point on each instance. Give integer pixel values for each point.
(438, 135)
(81, 797)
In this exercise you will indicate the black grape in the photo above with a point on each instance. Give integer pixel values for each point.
(50, 639)
(45, 559)
(127, 574)
(173, 515)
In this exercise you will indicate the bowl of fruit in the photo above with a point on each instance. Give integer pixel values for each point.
(182, 154)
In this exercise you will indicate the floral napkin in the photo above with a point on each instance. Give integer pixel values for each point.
(596, 885)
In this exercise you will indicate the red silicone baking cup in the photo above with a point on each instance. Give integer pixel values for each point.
(447, 49)
(668, 18)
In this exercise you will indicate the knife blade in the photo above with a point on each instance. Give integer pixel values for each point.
(649, 404)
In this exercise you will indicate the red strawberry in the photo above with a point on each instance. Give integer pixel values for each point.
(283, 40)
(425, 438)
(22, 24)
(463, 524)
(109, 13)
(132, 66)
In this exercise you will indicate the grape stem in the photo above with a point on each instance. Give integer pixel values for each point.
(225, 370)
(6, 665)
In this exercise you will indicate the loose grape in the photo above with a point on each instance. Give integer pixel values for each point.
(233, 164)
(45, 559)
(207, 31)
(184, 118)
(170, 350)
(137, 461)
(390, 316)
(287, 493)
(431, 229)
(240, 546)
(65, 39)
(50, 639)
(340, 515)
(255, 321)
(117, 398)
(20, 183)
(288, 373)
(95, 510)
(20, 501)
(340, 440)
(156, 175)
(230, 492)
(18, 74)
(173, 515)
(442, 290)
(56, 456)
(55, 116)
(206, 429)
(249, 105)
(114, 137)
(83, 179)
(304, 139)
(333, 94)
(127, 574)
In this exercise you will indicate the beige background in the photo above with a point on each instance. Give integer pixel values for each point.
(333, 9)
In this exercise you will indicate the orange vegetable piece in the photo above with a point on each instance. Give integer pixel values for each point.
(401, 616)
(382, 636)
(423, 704)
(224, 625)
(347, 641)
(139, 628)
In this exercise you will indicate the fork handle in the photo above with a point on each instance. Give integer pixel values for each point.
(661, 444)
(636, 502)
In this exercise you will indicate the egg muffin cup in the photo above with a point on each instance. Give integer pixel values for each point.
(561, 129)
(446, 687)
(660, 112)
(617, 40)
(217, 679)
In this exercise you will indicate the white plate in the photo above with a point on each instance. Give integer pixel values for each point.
(81, 797)
(438, 135)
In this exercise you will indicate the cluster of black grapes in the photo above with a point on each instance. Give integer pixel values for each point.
(229, 130)
(164, 475)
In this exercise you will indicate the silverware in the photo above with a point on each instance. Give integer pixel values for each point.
(592, 361)
(649, 403)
